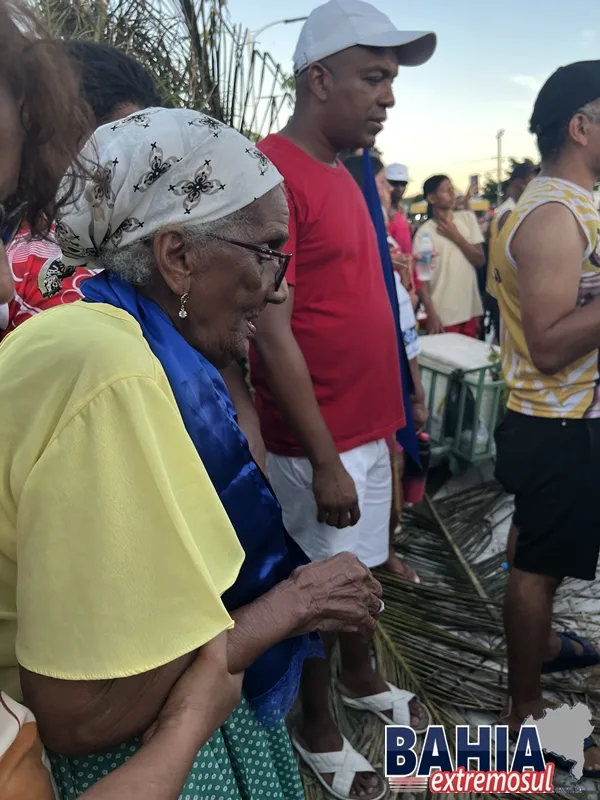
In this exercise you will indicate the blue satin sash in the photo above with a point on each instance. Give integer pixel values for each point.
(407, 436)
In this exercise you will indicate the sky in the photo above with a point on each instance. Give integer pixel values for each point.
(490, 61)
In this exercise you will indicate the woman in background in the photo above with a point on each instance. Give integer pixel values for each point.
(112, 85)
(42, 120)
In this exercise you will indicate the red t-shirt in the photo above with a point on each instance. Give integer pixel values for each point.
(342, 317)
(399, 230)
(41, 280)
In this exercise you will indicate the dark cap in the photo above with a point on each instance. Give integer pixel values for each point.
(564, 93)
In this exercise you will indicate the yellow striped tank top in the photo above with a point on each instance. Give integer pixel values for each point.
(507, 206)
(573, 392)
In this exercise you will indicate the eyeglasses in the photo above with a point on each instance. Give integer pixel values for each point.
(283, 258)
(11, 219)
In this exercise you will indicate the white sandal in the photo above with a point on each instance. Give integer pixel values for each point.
(344, 764)
(395, 699)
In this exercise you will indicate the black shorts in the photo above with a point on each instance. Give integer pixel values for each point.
(552, 466)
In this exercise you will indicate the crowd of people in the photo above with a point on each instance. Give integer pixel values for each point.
(180, 551)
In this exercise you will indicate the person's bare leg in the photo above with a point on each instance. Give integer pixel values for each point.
(317, 730)
(527, 623)
(394, 563)
(359, 679)
(554, 644)
(511, 544)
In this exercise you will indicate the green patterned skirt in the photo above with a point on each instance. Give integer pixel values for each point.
(242, 761)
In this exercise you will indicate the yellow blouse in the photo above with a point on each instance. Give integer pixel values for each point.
(114, 546)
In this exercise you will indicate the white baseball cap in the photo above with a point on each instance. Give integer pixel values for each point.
(340, 24)
(397, 172)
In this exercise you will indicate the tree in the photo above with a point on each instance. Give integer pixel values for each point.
(490, 191)
(198, 56)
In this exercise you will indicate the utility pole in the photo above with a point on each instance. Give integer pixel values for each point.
(499, 136)
(251, 39)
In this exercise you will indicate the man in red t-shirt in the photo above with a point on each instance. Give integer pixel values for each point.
(325, 364)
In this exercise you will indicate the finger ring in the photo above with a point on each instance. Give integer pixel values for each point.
(381, 606)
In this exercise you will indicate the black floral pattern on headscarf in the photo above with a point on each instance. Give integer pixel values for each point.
(193, 188)
(159, 167)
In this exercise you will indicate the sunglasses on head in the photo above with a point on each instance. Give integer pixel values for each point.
(12, 214)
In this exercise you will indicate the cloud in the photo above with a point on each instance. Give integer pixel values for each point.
(527, 81)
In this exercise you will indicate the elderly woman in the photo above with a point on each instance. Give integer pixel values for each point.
(39, 135)
(141, 526)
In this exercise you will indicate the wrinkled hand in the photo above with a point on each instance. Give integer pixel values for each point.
(341, 593)
(448, 229)
(205, 695)
(335, 495)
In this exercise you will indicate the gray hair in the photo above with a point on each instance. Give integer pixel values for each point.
(135, 262)
(591, 110)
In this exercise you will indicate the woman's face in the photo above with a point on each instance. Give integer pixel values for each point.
(444, 197)
(384, 189)
(228, 285)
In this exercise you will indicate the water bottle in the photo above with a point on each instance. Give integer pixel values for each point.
(415, 476)
(424, 257)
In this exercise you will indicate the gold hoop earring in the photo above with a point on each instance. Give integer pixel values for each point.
(182, 311)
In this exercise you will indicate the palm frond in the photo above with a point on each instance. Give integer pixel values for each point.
(443, 638)
(198, 57)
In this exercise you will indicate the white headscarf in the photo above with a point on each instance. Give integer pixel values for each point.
(157, 167)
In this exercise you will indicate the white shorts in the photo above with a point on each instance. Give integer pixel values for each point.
(370, 468)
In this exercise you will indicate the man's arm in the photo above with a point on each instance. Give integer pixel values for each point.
(291, 384)
(246, 412)
(548, 248)
(433, 322)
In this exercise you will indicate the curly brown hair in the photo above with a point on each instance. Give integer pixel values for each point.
(55, 119)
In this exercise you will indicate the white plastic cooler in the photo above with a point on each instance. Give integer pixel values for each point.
(462, 422)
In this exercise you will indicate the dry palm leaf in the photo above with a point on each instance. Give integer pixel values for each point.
(443, 638)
